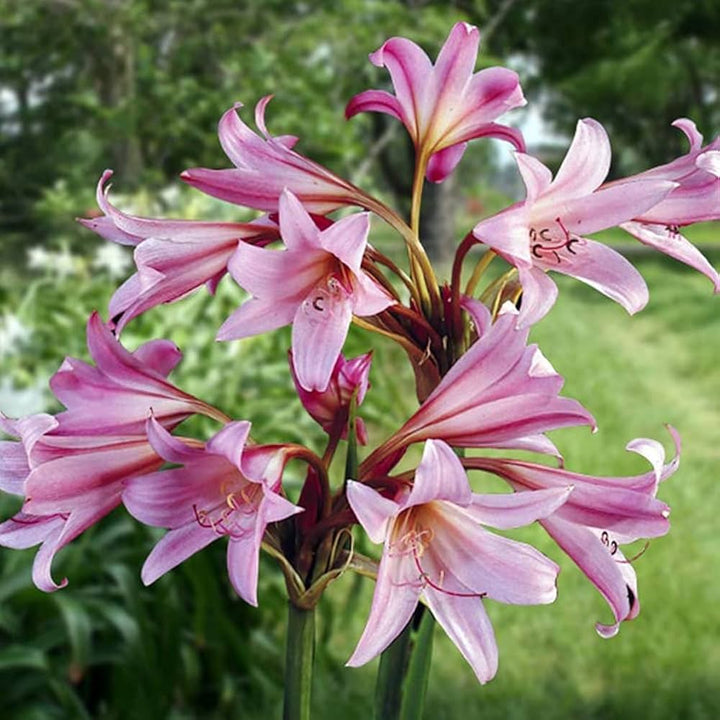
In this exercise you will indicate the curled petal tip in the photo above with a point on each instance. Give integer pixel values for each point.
(607, 631)
(376, 57)
(691, 132)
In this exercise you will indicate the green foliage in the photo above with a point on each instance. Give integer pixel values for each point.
(634, 66)
(139, 85)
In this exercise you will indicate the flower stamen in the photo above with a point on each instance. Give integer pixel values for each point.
(637, 555)
(543, 243)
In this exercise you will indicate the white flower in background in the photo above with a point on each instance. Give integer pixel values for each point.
(38, 258)
(171, 196)
(13, 334)
(61, 263)
(65, 263)
(21, 402)
(112, 259)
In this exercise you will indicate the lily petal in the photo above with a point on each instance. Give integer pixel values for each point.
(396, 596)
(320, 327)
(175, 547)
(512, 510)
(587, 161)
(467, 624)
(373, 511)
(611, 574)
(439, 476)
(605, 270)
(670, 241)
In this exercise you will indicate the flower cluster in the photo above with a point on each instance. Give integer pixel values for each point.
(479, 383)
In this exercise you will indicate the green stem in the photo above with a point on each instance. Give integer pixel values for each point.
(404, 669)
(299, 657)
(351, 461)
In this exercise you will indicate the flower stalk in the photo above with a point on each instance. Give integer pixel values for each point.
(299, 662)
(404, 670)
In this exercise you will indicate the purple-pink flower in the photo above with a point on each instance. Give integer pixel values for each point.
(173, 257)
(317, 284)
(601, 514)
(224, 488)
(117, 394)
(435, 548)
(265, 166)
(503, 393)
(71, 482)
(331, 407)
(546, 230)
(695, 199)
(70, 468)
(445, 105)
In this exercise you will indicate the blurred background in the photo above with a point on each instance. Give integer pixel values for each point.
(138, 86)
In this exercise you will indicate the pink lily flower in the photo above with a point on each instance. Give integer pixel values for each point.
(445, 105)
(224, 488)
(265, 166)
(502, 393)
(601, 514)
(545, 231)
(317, 284)
(331, 407)
(436, 549)
(173, 257)
(71, 467)
(117, 395)
(696, 199)
(71, 483)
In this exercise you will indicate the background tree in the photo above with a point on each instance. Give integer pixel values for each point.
(635, 66)
(139, 85)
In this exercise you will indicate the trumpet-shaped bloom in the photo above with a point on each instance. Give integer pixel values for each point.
(71, 467)
(316, 284)
(331, 407)
(601, 514)
(265, 166)
(71, 483)
(696, 199)
(117, 395)
(222, 489)
(173, 257)
(502, 393)
(445, 105)
(545, 231)
(435, 548)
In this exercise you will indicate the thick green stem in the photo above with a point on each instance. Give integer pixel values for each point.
(299, 658)
(404, 668)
